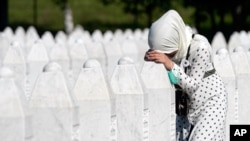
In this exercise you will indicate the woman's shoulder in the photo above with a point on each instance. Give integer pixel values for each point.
(200, 38)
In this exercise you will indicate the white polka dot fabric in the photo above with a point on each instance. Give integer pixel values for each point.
(208, 98)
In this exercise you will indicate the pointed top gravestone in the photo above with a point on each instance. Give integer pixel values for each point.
(129, 100)
(61, 37)
(48, 40)
(78, 55)
(31, 35)
(160, 102)
(92, 94)
(218, 42)
(242, 71)
(75, 36)
(38, 53)
(8, 32)
(96, 50)
(5, 44)
(244, 40)
(107, 36)
(114, 53)
(225, 69)
(15, 120)
(53, 106)
(145, 34)
(91, 84)
(137, 33)
(97, 36)
(118, 35)
(14, 59)
(128, 34)
(129, 48)
(36, 60)
(20, 35)
(14, 55)
(59, 53)
(233, 41)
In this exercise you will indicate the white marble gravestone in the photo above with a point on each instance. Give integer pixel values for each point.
(53, 106)
(59, 53)
(114, 53)
(242, 71)
(92, 94)
(86, 37)
(244, 40)
(97, 35)
(160, 103)
(248, 54)
(225, 69)
(108, 36)
(14, 59)
(233, 42)
(96, 50)
(5, 44)
(145, 34)
(61, 37)
(128, 34)
(218, 42)
(31, 37)
(129, 48)
(36, 60)
(78, 56)
(137, 33)
(75, 36)
(48, 40)
(129, 101)
(118, 35)
(8, 32)
(15, 118)
(20, 35)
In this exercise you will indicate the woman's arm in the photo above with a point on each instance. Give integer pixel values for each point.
(199, 60)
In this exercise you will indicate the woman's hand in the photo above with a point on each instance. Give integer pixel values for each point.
(158, 57)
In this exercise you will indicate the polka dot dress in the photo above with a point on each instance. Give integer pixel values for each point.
(208, 98)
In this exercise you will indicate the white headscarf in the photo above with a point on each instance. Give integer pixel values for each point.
(169, 34)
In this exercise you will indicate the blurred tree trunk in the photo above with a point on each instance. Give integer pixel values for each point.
(68, 19)
(35, 12)
(3, 14)
(68, 16)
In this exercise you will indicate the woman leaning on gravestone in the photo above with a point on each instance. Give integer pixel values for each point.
(201, 96)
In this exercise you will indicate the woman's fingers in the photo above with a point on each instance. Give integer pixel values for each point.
(159, 58)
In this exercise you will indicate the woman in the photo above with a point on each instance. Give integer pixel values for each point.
(177, 49)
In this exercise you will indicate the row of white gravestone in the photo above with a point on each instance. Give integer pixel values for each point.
(126, 106)
(30, 53)
(122, 109)
(232, 62)
(137, 42)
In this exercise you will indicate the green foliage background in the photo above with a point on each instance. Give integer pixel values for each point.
(93, 14)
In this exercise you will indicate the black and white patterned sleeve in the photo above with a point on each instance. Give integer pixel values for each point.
(199, 60)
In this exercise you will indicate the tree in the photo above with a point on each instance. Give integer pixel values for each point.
(237, 9)
(139, 7)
